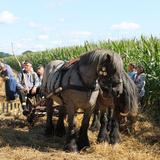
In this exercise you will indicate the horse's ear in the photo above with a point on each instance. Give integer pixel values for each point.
(108, 58)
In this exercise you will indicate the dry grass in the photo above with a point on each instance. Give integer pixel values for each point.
(18, 142)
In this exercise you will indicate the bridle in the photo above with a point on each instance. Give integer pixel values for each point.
(103, 75)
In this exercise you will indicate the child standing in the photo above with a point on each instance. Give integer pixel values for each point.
(132, 71)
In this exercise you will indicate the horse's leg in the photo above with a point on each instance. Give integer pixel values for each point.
(49, 124)
(109, 117)
(71, 138)
(60, 128)
(114, 136)
(102, 135)
(83, 140)
(95, 126)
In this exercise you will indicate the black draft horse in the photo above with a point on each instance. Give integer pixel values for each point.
(80, 89)
(113, 110)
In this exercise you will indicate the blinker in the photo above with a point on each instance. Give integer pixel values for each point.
(104, 73)
(103, 68)
(100, 73)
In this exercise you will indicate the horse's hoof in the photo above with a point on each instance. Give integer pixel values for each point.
(71, 147)
(114, 141)
(100, 140)
(83, 145)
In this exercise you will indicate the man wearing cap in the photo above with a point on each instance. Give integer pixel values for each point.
(27, 83)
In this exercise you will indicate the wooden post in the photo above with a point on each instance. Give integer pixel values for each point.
(3, 107)
(11, 106)
(7, 107)
(15, 106)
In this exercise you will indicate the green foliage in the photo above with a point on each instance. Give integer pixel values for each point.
(145, 51)
(2, 54)
(26, 52)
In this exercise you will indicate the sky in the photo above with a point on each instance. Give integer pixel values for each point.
(44, 24)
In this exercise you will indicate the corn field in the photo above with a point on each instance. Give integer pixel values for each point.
(145, 50)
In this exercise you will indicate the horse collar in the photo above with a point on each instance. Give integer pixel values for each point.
(85, 87)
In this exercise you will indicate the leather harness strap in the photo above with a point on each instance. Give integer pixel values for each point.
(85, 88)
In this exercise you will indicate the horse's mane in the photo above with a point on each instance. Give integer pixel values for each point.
(98, 55)
(117, 62)
(94, 56)
(131, 93)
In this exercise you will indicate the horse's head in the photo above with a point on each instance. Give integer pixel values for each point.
(110, 74)
(104, 65)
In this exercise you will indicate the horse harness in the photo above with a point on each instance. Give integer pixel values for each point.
(63, 70)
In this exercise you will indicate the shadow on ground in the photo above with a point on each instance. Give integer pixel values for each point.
(15, 133)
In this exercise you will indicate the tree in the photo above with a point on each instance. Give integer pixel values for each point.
(3, 54)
